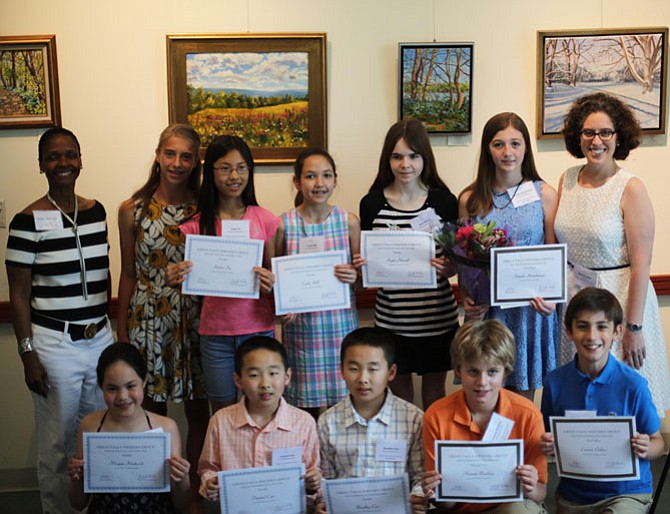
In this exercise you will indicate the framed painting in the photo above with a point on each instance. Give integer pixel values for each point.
(631, 64)
(436, 85)
(269, 89)
(28, 82)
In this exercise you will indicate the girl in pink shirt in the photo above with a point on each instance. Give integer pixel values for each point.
(228, 194)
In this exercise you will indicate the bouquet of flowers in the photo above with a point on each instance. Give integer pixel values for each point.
(469, 243)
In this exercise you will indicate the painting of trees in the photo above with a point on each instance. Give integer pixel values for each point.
(631, 64)
(22, 73)
(28, 82)
(436, 85)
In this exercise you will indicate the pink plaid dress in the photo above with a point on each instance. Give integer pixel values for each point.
(313, 339)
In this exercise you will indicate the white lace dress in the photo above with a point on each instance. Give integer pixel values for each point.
(590, 221)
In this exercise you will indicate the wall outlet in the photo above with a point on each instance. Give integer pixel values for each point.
(3, 217)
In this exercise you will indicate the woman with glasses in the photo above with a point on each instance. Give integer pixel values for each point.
(228, 203)
(606, 218)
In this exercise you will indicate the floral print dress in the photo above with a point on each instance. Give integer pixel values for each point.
(163, 323)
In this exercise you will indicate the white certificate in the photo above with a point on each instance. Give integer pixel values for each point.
(398, 259)
(479, 472)
(307, 283)
(596, 449)
(383, 495)
(119, 462)
(268, 490)
(520, 273)
(222, 267)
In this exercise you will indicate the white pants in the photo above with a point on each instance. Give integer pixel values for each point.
(73, 393)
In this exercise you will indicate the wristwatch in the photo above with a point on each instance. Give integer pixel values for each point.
(633, 327)
(25, 345)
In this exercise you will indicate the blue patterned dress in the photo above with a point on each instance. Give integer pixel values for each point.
(313, 339)
(536, 336)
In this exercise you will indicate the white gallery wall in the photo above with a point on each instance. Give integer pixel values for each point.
(113, 90)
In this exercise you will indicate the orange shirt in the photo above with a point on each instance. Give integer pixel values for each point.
(450, 419)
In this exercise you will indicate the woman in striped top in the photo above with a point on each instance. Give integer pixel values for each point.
(58, 273)
(424, 320)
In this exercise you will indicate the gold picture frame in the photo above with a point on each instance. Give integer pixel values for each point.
(269, 89)
(630, 63)
(29, 95)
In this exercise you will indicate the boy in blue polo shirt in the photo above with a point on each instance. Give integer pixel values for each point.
(597, 381)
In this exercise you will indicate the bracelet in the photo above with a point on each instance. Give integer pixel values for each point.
(25, 345)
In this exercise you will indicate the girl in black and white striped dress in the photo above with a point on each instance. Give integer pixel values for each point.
(424, 320)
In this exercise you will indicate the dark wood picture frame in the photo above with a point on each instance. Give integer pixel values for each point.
(269, 89)
(630, 63)
(29, 95)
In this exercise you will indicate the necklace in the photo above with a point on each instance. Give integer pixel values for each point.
(511, 198)
(73, 221)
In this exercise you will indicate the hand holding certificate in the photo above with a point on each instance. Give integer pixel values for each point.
(121, 462)
(268, 490)
(383, 495)
(307, 283)
(398, 259)
(479, 472)
(596, 449)
(222, 267)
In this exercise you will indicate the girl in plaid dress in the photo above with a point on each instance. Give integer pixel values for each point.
(313, 339)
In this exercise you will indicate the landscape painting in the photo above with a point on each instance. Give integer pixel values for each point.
(28, 82)
(269, 91)
(628, 63)
(436, 85)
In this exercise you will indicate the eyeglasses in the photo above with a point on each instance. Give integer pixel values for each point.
(603, 134)
(226, 170)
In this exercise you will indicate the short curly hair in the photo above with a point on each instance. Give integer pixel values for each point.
(625, 124)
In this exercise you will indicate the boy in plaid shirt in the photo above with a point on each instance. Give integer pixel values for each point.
(352, 432)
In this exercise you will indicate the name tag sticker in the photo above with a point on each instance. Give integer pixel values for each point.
(48, 220)
(391, 450)
(525, 194)
(312, 244)
(499, 428)
(235, 229)
(281, 456)
(427, 221)
(583, 277)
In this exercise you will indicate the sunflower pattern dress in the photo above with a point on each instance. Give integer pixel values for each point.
(163, 323)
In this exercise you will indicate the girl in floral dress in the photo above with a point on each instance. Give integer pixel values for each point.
(154, 317)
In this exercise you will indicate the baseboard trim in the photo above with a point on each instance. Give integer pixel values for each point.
(19, 479)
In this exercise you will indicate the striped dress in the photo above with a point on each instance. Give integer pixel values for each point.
(56, 270)
(412, 312)
(313, 339)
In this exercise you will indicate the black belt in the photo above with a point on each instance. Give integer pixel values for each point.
(611, 268)
(76, 331)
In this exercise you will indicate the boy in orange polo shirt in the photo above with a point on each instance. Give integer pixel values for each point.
(482, 355)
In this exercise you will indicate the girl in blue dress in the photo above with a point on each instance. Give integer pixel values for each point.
(509, 191)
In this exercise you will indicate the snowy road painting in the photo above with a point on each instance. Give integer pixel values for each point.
(629, 65)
